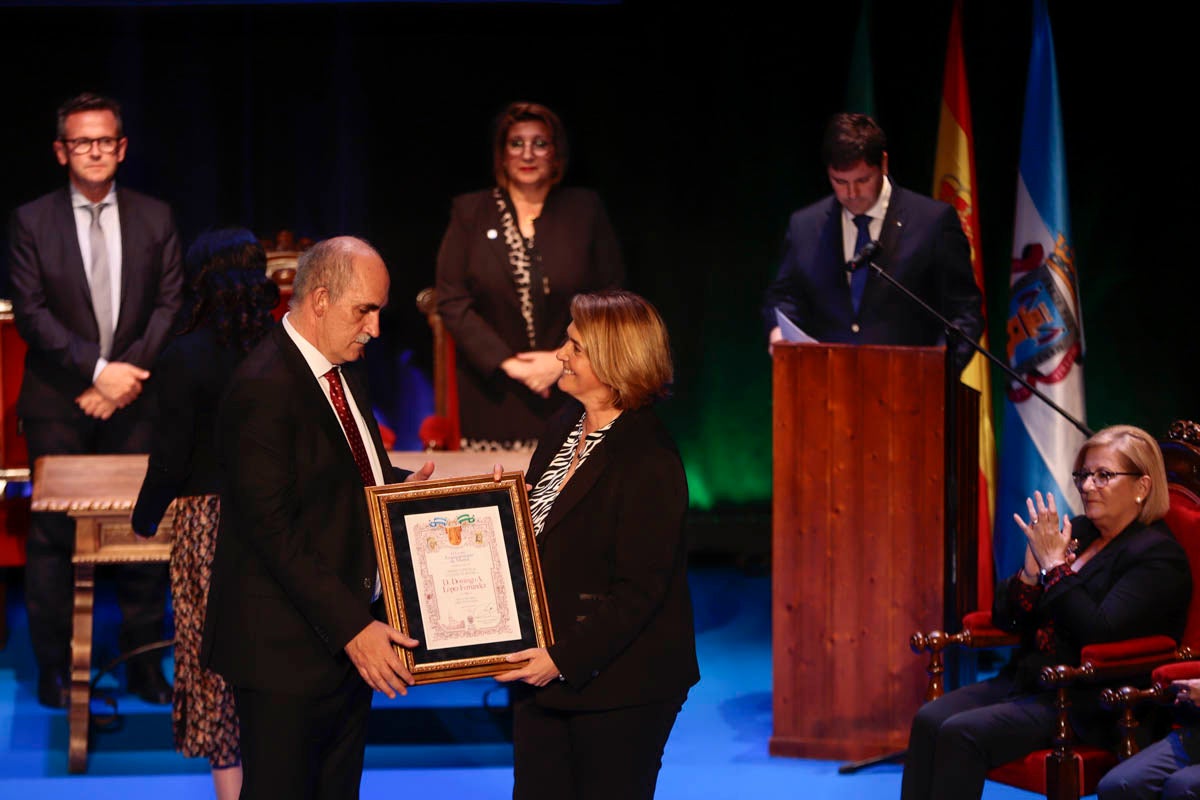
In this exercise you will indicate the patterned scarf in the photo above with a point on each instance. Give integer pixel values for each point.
(518, 258)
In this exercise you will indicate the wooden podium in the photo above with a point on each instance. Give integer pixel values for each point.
(859, 541)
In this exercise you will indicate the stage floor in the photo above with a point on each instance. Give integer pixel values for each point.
(454, 737)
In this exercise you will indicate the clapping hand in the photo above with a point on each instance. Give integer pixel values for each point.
(1049, 544)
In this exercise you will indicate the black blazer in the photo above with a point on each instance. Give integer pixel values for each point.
(190, 377)
(614, 563)
(576, 251)
(1140, 584)
(921, 245)
(294, 569)
(52, 304)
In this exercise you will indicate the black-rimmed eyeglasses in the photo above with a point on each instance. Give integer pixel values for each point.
(83, 146)
(1100, 478)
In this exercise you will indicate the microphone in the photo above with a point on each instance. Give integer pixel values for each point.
(863, 256)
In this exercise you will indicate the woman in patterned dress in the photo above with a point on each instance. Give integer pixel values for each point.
(230, 310)
(510, 262)
(592, 713)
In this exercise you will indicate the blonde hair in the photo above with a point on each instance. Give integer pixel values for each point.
(1141, 453)
(626, 343)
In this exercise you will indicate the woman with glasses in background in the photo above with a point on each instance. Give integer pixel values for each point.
(1113, 573)
(510, 262)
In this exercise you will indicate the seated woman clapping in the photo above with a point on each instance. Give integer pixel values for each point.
(1113, 573)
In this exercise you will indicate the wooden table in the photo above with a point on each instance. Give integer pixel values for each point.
(98, 492)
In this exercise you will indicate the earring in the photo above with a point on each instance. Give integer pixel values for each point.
(1139, 500)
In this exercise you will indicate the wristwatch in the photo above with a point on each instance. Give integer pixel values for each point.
(1044, 574)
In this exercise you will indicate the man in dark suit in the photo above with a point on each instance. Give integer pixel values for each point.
(289, 620)
(96, 277)
(921, 244)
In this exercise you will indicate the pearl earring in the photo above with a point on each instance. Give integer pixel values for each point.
(1139, 500)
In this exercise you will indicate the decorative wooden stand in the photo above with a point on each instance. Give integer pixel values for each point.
(98, 492)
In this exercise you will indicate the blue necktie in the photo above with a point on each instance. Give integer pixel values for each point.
(858, 278)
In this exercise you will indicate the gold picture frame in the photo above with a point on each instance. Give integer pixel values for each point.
(459, 566)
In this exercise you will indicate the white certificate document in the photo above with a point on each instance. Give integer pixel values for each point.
(790, 330)
(463, 583)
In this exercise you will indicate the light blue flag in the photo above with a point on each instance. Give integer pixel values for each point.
(1044, 327)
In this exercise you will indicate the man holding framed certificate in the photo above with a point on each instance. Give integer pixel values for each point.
(289, 622)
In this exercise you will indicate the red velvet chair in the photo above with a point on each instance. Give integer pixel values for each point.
(1068, 770)
(1183, 473)
(1126, 699)
(14, 459)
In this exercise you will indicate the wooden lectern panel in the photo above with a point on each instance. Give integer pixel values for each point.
(857, 543)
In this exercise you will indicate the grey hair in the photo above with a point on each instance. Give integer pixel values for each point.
(328, 263)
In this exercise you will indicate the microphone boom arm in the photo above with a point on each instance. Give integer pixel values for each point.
(867, 257)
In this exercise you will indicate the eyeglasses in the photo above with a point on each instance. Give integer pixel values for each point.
(83, 146)
(541, 147)
(1100, 478)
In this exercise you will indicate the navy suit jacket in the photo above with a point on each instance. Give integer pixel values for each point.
(294, 569)
(52, 303)
(921, 245)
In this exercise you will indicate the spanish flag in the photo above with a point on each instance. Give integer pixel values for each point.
(954, 183)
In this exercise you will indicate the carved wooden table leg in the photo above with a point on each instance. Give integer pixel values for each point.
(81, 666)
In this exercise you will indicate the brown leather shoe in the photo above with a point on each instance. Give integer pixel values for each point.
(54, 688)
(145, 679)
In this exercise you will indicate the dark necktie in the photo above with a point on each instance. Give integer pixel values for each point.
(338, 396)
(858, 278)
(101, 282)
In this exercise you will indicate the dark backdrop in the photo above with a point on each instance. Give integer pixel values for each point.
(699, 128)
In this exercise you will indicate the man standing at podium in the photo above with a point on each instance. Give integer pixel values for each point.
(920, 243)
(96, 278)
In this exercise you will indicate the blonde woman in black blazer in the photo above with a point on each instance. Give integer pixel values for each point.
(608, 503)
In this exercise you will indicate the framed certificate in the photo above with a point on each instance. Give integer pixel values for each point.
(460, 573)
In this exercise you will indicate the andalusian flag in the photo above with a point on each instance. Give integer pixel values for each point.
(1044, 327)
(954, 183)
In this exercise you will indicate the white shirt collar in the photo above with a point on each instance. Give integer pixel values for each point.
(879, 210)
(79, 201)
(317, 362)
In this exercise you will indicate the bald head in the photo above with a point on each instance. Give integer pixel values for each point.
(341, 286)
